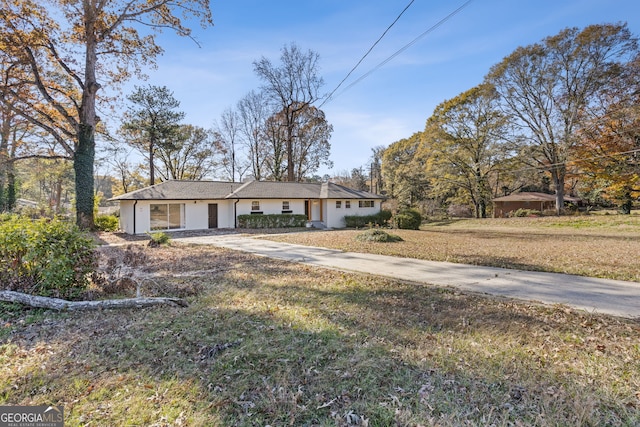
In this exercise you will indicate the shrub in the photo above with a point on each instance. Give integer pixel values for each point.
(45, 257)
(158, 238)
(107, 223)
(409, 219)
(271, 221)
(377, 235)
(358, 221)
(524, 213)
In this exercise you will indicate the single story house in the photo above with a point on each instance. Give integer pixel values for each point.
(502, 206)
(199, 205)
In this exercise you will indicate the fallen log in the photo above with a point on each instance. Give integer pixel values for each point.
(61, 304)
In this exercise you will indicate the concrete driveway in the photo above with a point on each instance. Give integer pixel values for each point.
(614, 297)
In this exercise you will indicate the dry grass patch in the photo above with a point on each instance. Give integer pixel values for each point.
(594, 246)
(268, 342)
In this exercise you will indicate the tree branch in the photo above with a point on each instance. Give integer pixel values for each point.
(61, 304)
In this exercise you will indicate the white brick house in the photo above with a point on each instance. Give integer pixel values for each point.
(199, 205)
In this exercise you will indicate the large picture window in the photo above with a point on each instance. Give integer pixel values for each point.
(366, 204)
(167, 216)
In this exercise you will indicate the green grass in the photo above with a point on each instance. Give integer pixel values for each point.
(274, 343)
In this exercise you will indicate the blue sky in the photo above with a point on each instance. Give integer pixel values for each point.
(394, 101)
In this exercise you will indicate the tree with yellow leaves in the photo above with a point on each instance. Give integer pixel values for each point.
(70, 49)
(609, 145)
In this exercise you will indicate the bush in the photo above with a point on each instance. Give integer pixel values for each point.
(377, 235)
(524, 213)
(409, 219)
(272, 221)
(107, 223)
(45, 257)
(158, 238)
(380, 219)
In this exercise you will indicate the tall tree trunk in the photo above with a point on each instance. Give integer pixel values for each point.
(627, 203)
(558, 181)
(11, 197)
(83, 159)
(290, 169)
(152, 174)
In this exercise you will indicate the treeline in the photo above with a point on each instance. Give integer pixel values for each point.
(272, 133)
(561, 115)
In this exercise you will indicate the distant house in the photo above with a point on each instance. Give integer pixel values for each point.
(502, 206)
(200, 205)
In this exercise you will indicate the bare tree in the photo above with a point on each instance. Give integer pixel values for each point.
(252, 114)
(227, 136)
(550, 86)
(291, 87)
(190, 156)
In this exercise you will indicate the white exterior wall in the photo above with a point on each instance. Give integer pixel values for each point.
(126, 216)
(196, 214)
(271, 206)
(334, 217)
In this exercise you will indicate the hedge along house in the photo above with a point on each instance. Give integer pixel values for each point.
(201, 205)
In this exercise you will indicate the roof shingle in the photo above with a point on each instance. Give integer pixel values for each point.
(211, 190)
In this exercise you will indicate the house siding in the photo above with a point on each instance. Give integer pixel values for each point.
(316, 200)
(126, 216)
(334, 217)
(503, 209)
(196, 214)
(270, 206)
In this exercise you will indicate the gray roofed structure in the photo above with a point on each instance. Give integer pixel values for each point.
(533, 196)
(207, 190)
(277, 190)
(182, 190)
(330, 190)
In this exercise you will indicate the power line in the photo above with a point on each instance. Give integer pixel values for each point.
(399, 51)
(366, 54)
(570, 161)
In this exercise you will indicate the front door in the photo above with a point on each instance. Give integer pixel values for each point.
(213, 215)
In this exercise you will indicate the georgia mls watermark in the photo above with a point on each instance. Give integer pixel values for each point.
(31, 416)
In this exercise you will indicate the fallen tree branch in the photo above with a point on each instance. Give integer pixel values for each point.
(61, 304)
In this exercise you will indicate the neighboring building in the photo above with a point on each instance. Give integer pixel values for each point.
(200, 205)
(502, 206)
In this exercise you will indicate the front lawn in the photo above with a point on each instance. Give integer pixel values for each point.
(595, 246)
(267, 342)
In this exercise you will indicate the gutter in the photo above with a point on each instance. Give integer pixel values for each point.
(235, 213)
(134, 217)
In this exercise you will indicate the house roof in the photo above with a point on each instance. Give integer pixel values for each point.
(207, 190)
(182, 190)
(276, 190)
(532, 197)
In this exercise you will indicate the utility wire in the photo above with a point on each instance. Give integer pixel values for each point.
(399, 51)
(366, 54)
(568, 162)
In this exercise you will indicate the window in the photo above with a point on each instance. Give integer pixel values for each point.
(347, 204)
(255, 205)
(367, 204)
(338, 204)
(166, 216)
(286, 207)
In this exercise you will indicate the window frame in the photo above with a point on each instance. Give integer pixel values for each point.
(171, 215)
